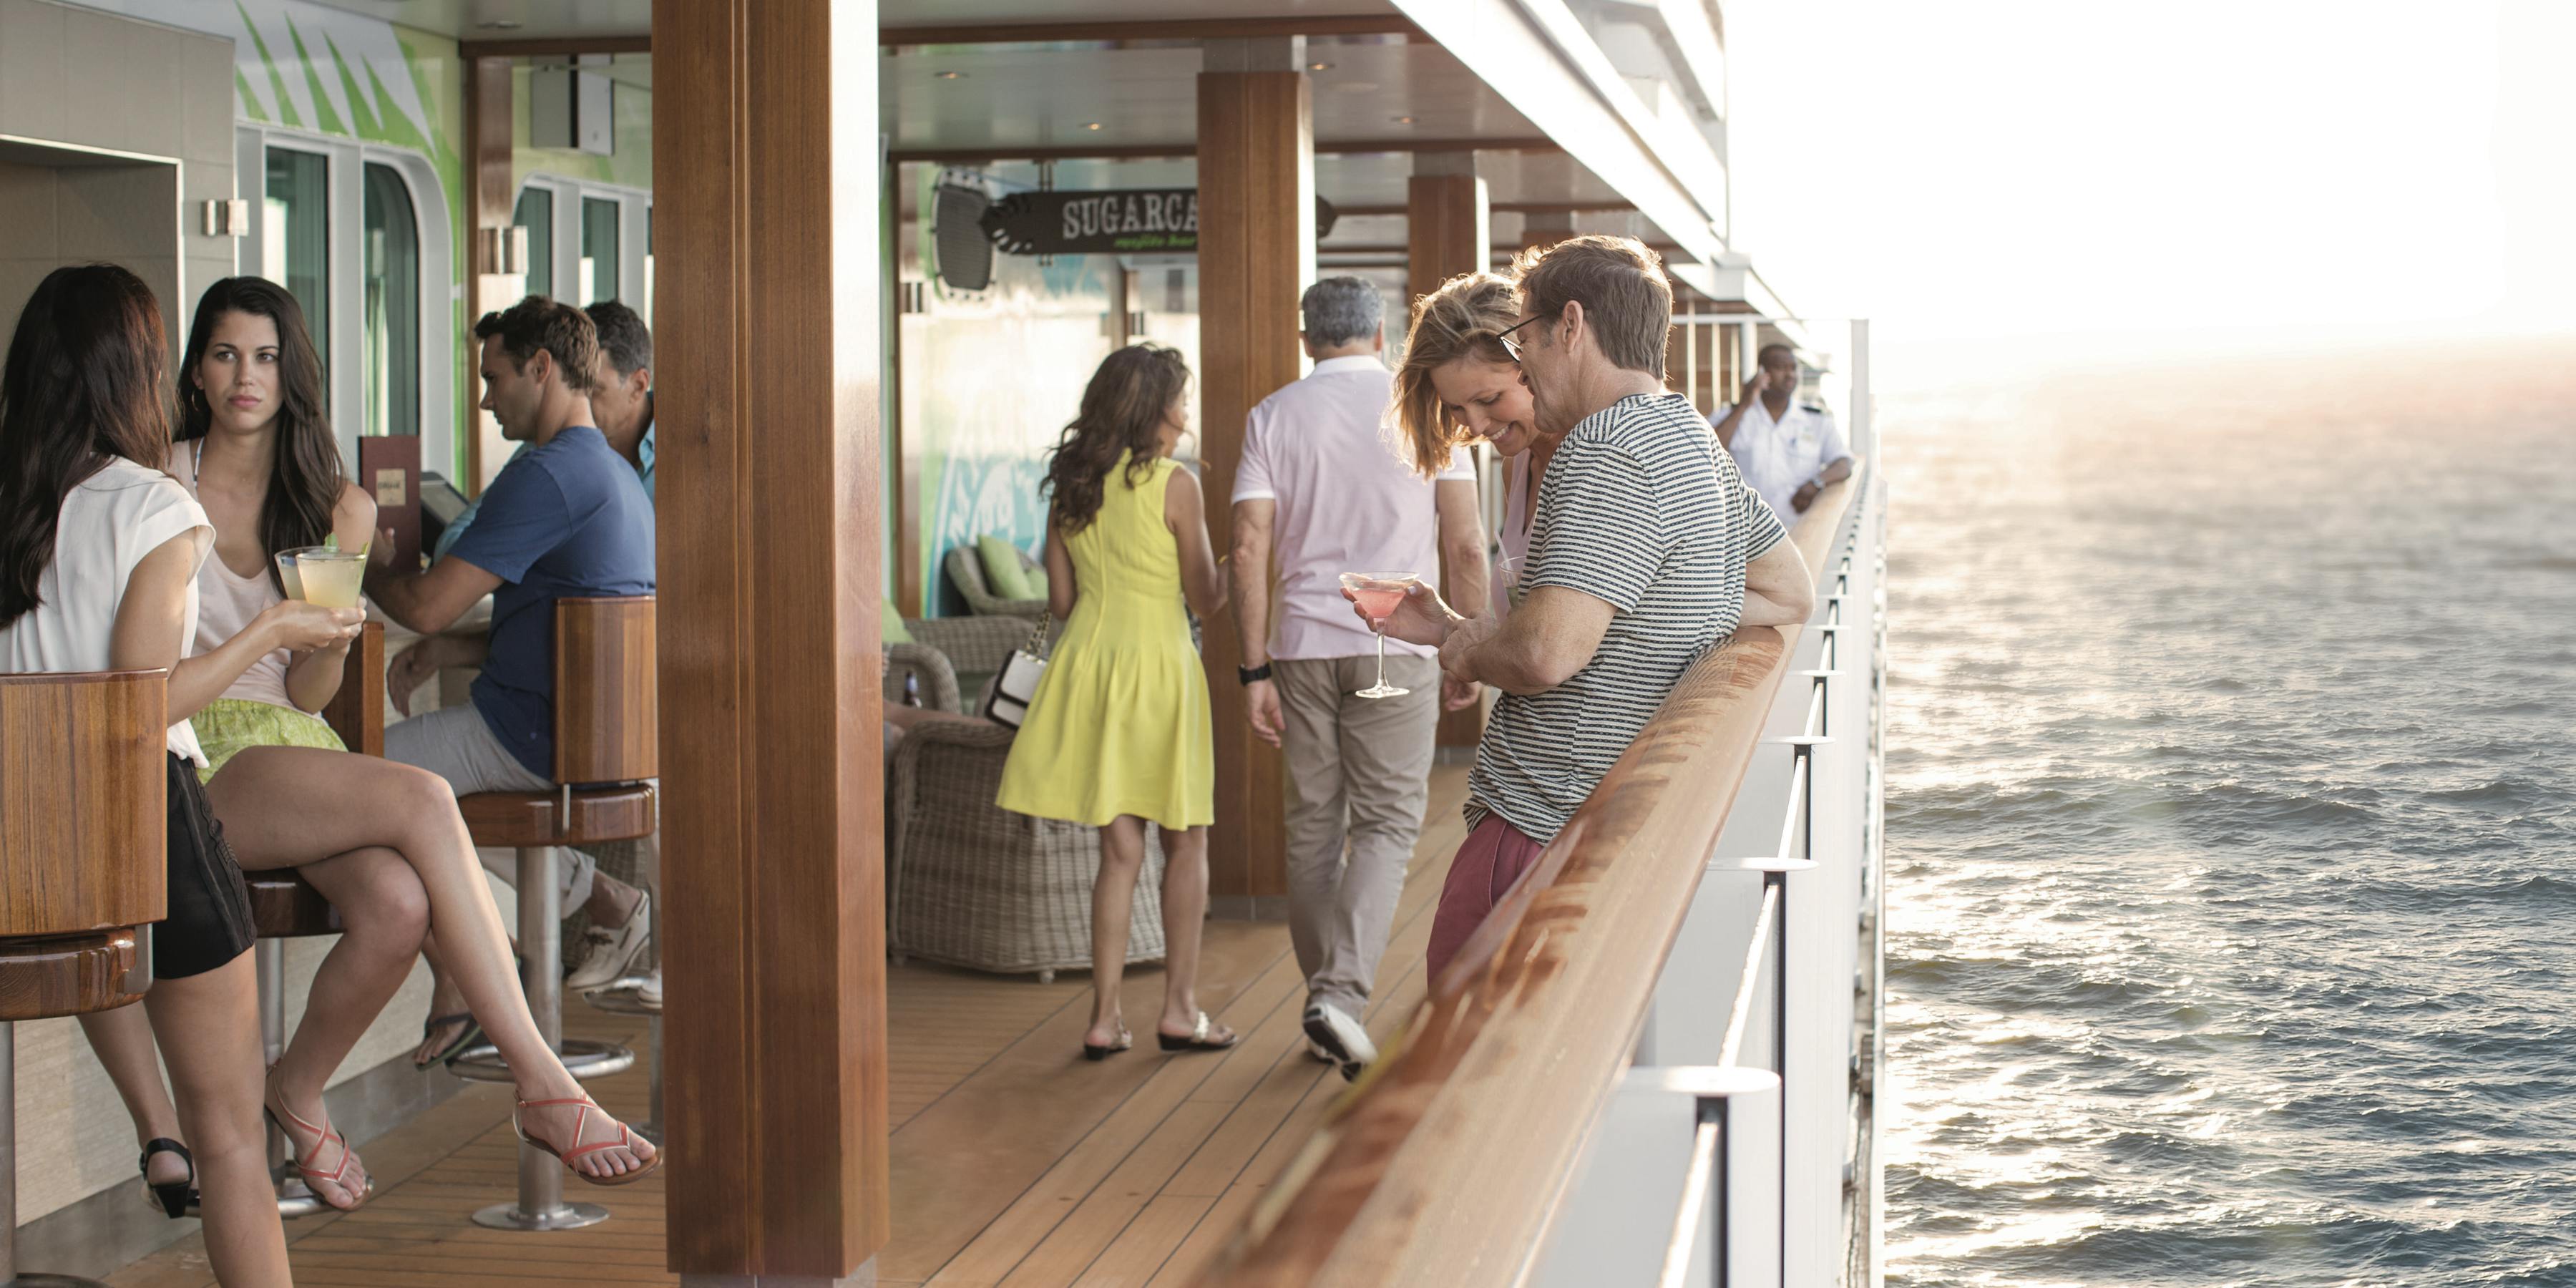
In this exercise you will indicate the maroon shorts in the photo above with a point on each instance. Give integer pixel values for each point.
(1494, 857)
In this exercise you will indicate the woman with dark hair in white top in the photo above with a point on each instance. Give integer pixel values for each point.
(98, 566)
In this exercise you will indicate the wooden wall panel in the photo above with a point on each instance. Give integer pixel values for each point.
(1448, 231)
(770, 556)
(489, 202)
(1256, 254)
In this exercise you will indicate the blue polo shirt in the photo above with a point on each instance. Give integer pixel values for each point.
(568, 519)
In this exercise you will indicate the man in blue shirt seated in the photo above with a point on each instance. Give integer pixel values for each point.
(621, 402)
(566, 518)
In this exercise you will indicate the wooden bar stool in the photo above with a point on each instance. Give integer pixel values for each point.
(607, 733)
(83, 844)
(283, 906)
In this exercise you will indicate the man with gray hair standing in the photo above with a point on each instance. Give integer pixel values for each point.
(1321, 486)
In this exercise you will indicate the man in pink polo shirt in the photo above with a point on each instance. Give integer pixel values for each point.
(1321, 484)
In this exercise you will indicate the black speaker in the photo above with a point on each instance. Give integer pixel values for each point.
(957, 229)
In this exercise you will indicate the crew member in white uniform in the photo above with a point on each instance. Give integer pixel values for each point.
(1788, 451)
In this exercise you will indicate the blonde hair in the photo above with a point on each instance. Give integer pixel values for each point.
(1464, 318)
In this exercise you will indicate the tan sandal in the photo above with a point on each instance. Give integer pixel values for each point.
(1198, 1040)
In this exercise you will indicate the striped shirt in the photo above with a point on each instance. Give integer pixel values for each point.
(1643, 512)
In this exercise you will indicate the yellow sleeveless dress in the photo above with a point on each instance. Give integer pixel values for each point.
(1119, 724)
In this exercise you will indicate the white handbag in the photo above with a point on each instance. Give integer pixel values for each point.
(1017, 685)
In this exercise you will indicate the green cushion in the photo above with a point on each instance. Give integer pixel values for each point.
(890, 627)
(1003, 573)
(1038, 582)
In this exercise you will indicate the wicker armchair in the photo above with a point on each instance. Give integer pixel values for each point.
(971, 884)
(976, 647)
(966, 568)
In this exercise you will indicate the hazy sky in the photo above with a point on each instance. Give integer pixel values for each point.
(2101, 178)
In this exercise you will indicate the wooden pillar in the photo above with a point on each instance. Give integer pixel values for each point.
(1256, 151)
(1447, 232)
(765, 128)
(489, 202)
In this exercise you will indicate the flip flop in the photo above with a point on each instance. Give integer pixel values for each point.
(1198, 1040)
(1125, 1040)
(465, 1037)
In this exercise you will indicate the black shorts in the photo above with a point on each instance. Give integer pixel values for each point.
(209, 920)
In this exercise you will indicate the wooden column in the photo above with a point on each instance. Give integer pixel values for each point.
(1448, 231)
(1256, 158)
(491, 194)
(766, 128)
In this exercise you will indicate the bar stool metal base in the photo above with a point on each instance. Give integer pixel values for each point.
(563, 1216)
(626, 998)
(582, 1058)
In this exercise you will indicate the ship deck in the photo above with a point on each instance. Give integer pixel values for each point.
(1014, 1161)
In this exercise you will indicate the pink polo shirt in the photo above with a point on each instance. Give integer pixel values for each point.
(1322, 449)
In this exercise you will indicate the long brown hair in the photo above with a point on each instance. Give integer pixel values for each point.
(82, 386)
(1465, 318)
(1122, 412)
(307, 476)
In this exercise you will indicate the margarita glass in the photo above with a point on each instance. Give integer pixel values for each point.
(327, 577)
(1379, 594)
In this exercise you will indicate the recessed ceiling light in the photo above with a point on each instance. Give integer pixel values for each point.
(1091, 125)
(498, 24)
(1404, 120)
(952, 75)
(1319, 67)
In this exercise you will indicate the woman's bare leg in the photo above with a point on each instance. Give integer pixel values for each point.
(386, 911)
(1113, 894)
(264, 797)
(123, 1040)
(1185, 895)
(209, 1026)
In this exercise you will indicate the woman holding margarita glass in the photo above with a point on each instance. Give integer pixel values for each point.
(255, 449)
(1118, 732)
(1459, 384)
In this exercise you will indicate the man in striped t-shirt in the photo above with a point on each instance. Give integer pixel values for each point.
(1646, 552)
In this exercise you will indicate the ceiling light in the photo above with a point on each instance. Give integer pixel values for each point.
(498, 24)
(952, 75)
(1404, 120)
(1319, 67)
(1091, 125)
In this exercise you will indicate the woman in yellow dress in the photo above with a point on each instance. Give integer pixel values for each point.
(1117, 734)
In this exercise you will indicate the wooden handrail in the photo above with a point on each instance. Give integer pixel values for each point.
(1445, 1163)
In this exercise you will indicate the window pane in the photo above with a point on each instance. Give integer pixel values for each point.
(393, 305)
(295, 236)
(598, 250)
(537, 214)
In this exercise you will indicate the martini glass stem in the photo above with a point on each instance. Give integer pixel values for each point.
(1381, 659)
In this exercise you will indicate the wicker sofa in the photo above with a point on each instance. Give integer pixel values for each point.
(969, 883)
(966, 568)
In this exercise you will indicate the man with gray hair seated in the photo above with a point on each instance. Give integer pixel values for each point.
(1322, 487)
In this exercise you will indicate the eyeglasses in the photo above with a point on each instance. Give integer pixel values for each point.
(1505, 336)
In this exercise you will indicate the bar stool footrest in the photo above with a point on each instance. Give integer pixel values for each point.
(32, 1280)
(583, 1058)
(564, 1216)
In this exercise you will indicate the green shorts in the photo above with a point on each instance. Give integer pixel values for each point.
(229, 726)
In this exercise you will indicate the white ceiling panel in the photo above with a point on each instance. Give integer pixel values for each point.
(922, 13)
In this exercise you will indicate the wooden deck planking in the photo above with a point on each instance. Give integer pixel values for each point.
(1015, 1160)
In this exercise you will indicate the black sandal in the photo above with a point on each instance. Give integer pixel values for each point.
(174, 1197)
(466, 1036)
(1125, 1040)
(1198, 1040)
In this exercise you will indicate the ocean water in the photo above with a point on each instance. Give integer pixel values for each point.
(2232, 875)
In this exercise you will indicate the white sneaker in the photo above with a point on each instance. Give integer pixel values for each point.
(608, 952)
(1329, 1027)
(1316, 1051)
(651, 993)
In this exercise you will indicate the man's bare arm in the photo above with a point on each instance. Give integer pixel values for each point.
(429, 602)
(1778, 589)
(1549, 637)
(1250, 570)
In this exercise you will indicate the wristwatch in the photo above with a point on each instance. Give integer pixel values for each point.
(1253, 674)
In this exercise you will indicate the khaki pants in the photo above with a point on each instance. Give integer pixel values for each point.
(1358, 776)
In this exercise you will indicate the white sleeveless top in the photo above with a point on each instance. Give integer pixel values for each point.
(230, 603)
(109, 522)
